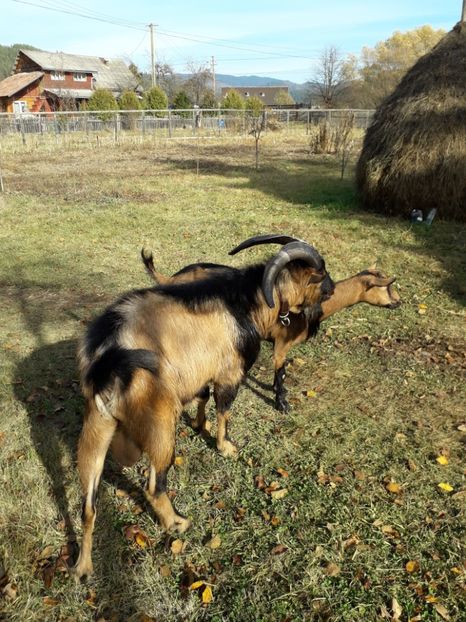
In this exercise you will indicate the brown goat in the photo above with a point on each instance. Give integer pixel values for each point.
(371, 286)
(154, 350)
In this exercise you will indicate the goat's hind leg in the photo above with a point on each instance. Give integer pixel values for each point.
(160, 446)
(94, 442)
(200, 423)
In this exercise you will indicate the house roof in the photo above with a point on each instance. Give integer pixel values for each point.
(71, 93)
(112, 74)
(17, 82)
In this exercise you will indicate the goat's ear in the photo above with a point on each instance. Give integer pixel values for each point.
(380, 282)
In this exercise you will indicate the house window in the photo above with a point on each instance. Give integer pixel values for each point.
(57, 75)
(262, 94)
(19, 107)
(80, 77)
(246, 94)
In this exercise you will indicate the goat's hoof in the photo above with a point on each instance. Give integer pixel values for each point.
(282, 406)
(228, 450)
(202, 428)
(179, 524)
(82, 570)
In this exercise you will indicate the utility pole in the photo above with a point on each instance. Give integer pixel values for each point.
(463, 12)
(212, 62)
(152, 54)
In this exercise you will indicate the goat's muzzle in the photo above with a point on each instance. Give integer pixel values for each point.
(327, 288)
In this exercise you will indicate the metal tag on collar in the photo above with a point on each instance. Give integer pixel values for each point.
(284, 318)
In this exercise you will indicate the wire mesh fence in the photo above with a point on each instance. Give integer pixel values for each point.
(121, 125)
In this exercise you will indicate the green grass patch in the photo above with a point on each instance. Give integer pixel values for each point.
(389, 398)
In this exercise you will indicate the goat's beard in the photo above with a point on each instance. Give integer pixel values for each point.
(313, 315)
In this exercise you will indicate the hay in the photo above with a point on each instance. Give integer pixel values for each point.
(414, 153)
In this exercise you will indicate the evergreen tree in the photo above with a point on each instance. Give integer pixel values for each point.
(155, 99)
(233, 100)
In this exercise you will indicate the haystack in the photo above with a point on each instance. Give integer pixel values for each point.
(414, 153)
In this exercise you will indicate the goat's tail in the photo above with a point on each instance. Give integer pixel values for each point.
(148, 261)
(117, 362)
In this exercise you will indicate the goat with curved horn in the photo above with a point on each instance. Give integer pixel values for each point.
(290, 252)
(266, 238)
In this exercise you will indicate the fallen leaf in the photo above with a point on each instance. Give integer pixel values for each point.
(273, 486)
(332, 570)
(196, 585)
(259, 481)
(279, 549)
(462, 427)
(179, 460)
(442, 611)
(388, 530)
(121, 493)
(49, 601)
(165, 570)
(91, 599)
(445, 486)
(10, 591)
(177, 547)
(422, 308)
(430, 598)
(207, 595)
(412, 566)
(215, 542)
(275, 521)
(412, 466)
(220, 505)
(282, 472)
(279, 494)
(141, 539)
(393, 487)
(396, 610)
(46, 552)
(298, 361)
(443, 460)
(310, 393)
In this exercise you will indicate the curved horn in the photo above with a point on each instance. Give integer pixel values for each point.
(290, 252)
(267, 238)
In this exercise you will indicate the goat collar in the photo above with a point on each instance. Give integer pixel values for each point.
(284, 314)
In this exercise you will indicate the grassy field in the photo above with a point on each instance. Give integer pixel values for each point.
(364, 531)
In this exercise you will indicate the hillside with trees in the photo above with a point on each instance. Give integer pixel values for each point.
(8, 55)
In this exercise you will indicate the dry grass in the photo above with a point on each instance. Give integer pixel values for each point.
(388, 399)
(414, 153)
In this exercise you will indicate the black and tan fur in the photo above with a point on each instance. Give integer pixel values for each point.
(155, 349)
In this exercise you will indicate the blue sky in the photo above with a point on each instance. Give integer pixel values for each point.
(263, 37)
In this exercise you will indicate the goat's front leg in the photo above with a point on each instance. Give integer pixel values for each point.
(281, 403)
(280, 350)
(224, 397)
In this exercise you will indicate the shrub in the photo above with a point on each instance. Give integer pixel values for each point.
(155, 99)
(254, 105)
(233, 100)
(102, 99)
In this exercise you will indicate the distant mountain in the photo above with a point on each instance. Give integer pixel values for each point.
(299, 92)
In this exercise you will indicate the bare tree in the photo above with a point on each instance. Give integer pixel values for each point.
(199, 82)
(329, 77)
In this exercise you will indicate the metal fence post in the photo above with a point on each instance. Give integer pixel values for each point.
(169, 124)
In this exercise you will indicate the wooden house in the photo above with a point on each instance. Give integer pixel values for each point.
(45, 81)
